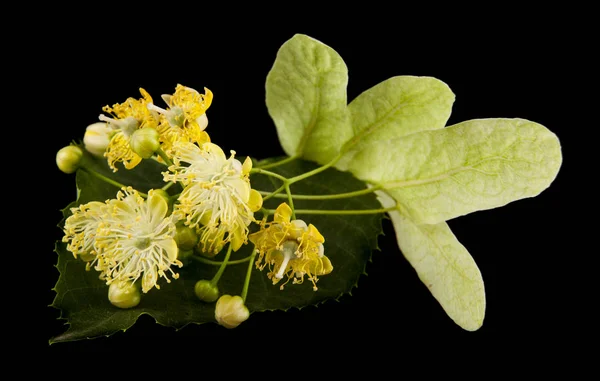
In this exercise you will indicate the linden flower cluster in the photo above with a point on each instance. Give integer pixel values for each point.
(290, 248)
(126, 238)
(184, 119)
(136, 239)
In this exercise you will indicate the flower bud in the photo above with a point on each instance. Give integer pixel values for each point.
(206, 291)
(69, 158)
(144, 142)
(97, 137)
(184, 256)
(186, 237)
(230, 311)
(124, 294)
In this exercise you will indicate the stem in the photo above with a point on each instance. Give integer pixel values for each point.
(219, 263)
(217, 276)
(274, 193)
(277, 163)
(248, 275)
(164, 156)
(267, 212)
(108, 180)
(169, 185)
(324, 196)
(342, 212)
(158, 161)
(269, 173)
(315, 171)
(290, 199)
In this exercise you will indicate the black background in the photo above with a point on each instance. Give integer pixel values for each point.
(504, 62)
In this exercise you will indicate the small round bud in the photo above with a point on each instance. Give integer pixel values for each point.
(205, 291)
(184, 256)
(144, 142)
(69, 158)
(96, 138)
(124, 294)
(87, 257)
(230, 311)
(186, 237)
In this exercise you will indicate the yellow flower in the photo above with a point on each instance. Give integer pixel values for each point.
(127, 117)
(217, 199)
(129, 237)
(81, 227)
(185, 118)
(290, 248)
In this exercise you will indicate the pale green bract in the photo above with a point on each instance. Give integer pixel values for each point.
(444, 265)
(306, 98)
(393, 136)
(396, 107)
(475, 165)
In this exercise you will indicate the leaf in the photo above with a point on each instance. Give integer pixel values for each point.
(475, 165)
(306, 98)
(394, 108)
(444, 265)
(349, 240)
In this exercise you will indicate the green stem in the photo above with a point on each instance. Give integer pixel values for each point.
(169, 185)
(269, 173)
(274, 193)
(248, 275)
(164, 156)
(267, 212)
(340, 212)
(277, 163)
(324, 196)
(158, 161)
(108, 180)
(217, 276)
(167, 160)
(290, 200)
(219, 263)
(314, 171)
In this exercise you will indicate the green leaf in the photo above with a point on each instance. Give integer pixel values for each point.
(306, 98)
(475, 165)
(349, 241)
(444, 265)
(394, 108)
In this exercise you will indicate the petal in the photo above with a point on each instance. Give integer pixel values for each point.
(283, 213)
(237, 239)
(208, 97)
(202, 121)
(247, 166)
(321, 266)
(314, 233)
(157, 205)
(297, 229)
(241, 187)
(255, 200)
(170, 247)
(149, 279)
(215, 150)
